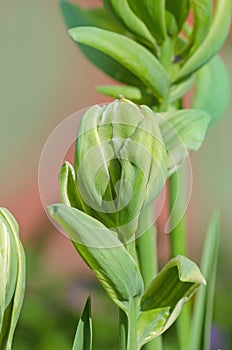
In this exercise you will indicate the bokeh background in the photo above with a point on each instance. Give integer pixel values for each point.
(43, 79)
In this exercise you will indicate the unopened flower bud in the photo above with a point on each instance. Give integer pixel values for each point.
(12, 277)
(120, 164)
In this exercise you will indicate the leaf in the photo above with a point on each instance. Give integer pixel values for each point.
(16, 282)
(83, 337)
(129, 92)
(180, 89)
(166, 295)
(182, 130)
(75, 16)
(213, 42)
(150, 323)
(129, 19)
(203, 307)
(202, 12)
(144, 10)
(178, 11)
(156, 9)
(103, 252)
(131, 55)
(212, 89)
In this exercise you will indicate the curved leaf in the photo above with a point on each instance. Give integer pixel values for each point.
(143, 10)
(166, 295)
(202, 12)
(213, 42)
(131, 55)
(182, 130)
(75, 16)
(124, 13)
(212, 89)
(103, 252)
(84, 333)
(178, 11)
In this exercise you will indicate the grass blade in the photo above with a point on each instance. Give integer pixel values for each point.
(202, 317)
(84, 333)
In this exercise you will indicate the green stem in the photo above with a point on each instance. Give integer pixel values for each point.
(147, 256)
(177, 208)
(132, 326)
(178, 238)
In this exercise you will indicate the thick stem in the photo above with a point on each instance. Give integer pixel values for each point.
(132, 326)
(178, 237)
(147, 257)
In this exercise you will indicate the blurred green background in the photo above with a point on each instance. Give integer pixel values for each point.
(44, 79)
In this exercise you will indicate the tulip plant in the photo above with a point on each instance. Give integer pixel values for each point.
(125, 153)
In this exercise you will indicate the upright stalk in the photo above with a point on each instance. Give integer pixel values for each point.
(177, 203)
(146, 248)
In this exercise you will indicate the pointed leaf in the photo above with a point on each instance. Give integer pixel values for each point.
(168, 292)
(212, 89)
(103, 252)
(83, 337)
(131, 55)
(129, 19)
(213, 42)
(182, 131)
(203, 307)
(98, 17)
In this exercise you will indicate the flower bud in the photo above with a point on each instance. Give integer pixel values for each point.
(12, 277)
(120, 164)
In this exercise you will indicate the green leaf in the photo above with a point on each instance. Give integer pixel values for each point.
(203, 307)
(131, 55)
(83, 337)
(213, 42)
(129, 19)
(75, 16)
(156, 8)
(202, 12)
(12, 275)
(166, 295)
(129, 92)
(103, 252)
(180, 89)
(182, 130)
(178, 11)
(212, 89)
(152, 13)
(150, 323)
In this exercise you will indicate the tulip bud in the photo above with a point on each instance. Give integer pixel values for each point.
(12, 277)
(120, 164)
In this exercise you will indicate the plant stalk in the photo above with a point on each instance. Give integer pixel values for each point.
(178, 244)
(147, 257)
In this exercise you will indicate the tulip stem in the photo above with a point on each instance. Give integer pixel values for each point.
(147, 256)
(178, 236)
